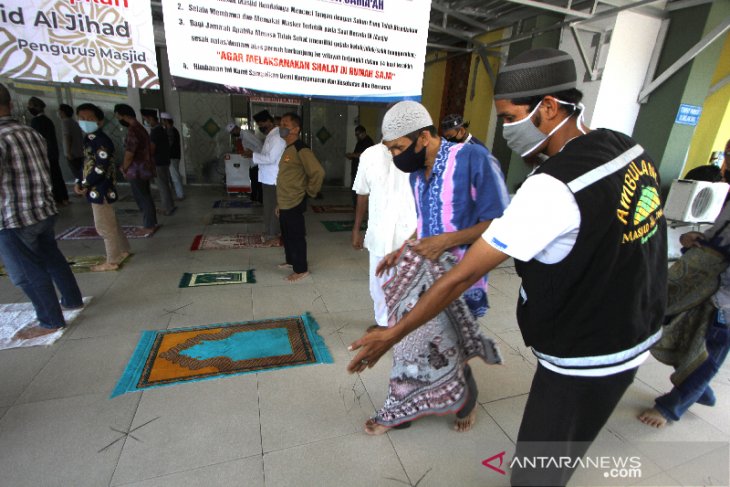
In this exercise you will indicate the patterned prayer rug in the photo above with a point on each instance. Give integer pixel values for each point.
(333, 209)
(218, 278)
(15, 316)
(167, 357)
(79, 264)
(235, 241)
(89, 233)
(232, 204)
(341, 225)
(234, 218)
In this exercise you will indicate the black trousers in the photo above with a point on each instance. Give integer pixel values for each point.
(77, 167)
(60, 193)
(563, 416)
(294, 234)
(257, 192)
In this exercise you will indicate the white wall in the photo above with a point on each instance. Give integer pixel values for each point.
(632, 43)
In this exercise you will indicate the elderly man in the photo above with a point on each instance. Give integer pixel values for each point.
(300, 175)
(458, 190)
(27, 215)
(454, 129)
(593, 263)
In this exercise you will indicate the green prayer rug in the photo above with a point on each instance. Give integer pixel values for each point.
(342, 225)
(168, 357)
(217, 278)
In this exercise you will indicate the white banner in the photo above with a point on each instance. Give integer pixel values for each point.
(100, 42)
(371, 50)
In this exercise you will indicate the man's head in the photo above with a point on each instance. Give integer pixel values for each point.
(233, 129)
(409, 134)
(166, 120)
(6, 106)
(65, 111)
(264, 120)
(150, 117)
(91, 117)
(360, 132)
(277, 120)
(36, 105)
(454, 128)
(125, 114)
(535, 94)
(290, 127)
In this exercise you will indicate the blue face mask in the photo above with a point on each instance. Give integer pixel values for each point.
(88, 126)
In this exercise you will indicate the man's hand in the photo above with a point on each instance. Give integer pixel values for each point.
(357, 239)
(387, 262)
(431, 247)
(247, 153)
(79, 190)
(691, 239)
(372, 346)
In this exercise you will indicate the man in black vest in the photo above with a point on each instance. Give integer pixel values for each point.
(588, 236)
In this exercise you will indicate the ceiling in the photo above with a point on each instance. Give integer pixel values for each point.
(455, 25)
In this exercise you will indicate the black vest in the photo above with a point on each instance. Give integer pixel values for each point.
(607, 297)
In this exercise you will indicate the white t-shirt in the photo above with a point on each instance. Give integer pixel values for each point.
(268, 158)
(541, 222)
(391, 209)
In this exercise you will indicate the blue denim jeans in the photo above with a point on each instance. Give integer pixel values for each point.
(34, 264)
(696, 387)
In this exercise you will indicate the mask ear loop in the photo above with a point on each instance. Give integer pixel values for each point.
(581, 119)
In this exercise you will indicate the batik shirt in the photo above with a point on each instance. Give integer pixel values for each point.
(466, 187)
(99, 172)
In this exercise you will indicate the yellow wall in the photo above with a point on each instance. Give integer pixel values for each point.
(433, 85)
(713, 128)
(479, 110)
(370, 119)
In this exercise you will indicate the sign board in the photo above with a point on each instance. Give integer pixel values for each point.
(97, 42)
(688, 114)
(370, 50)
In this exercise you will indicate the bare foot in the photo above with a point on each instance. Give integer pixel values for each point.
(465, 424)
(104, 267)
(296, 276)
(34, 332)
(652, 417)
(284, 265)
(373, 428)
(123, 256)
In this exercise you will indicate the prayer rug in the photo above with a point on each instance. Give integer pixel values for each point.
(341, 225)
(234, 218)
(333, 209)
(167, 357)
(89, 233)
(235, 241)
(218, 278)
(15, 316)
(78, 264)
(232, 204)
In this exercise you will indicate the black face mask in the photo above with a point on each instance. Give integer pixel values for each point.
(454, 140)
(409, 160)
(124, 123)
(34, 111)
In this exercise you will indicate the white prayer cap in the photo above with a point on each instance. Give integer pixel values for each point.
(230, 127)
(165, 116)
(403, 118)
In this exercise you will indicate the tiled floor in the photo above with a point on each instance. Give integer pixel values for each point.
(299, 426)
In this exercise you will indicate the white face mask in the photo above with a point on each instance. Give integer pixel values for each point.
(524, 138)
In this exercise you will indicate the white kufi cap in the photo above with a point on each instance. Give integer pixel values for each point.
(403, 118)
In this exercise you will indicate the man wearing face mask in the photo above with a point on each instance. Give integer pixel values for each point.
(267, 160)
(588, 236)
(454, 129)
(363, 142)
(138, 166)
(300, 175)
(458, 190)
(98, 184)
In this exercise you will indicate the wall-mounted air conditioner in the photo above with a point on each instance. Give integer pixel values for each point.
(695, 201)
